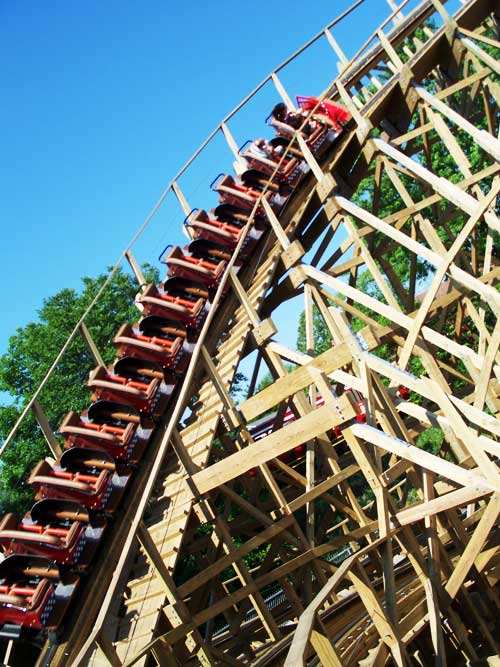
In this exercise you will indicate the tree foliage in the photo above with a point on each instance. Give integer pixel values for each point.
(31, 352)
(322, 336)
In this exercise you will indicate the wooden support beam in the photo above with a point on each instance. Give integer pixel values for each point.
(302, 430)
(311, 161)
(91, 345)
(364, 125)
(176, 611)
(181, 198)
(230, 412)
(428, 509)
(444, 188)
(47, 431)
(442, 269)
(420, 457)
(136, 269)
(474, 546)
(281, 90)
(275, 224)
(433, 584)
(488, 143)
(109, 650)
(462, 277)
(243, 298)
(480, 53)
(390, 50)
(300, 378)
(222, 563)
(325, 649)
(232, 144)
(387, 631)
(335, 46)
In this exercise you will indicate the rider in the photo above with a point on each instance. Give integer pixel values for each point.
(287, 121)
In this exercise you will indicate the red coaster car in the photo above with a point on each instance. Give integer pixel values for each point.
(90, 477)
(320, 137)
(337, 115)
(148, 393)
(114, 427)
(222, 233)
(58, 529)
(197, 268)
(34, 594)
(259, 180)
(283, 163)
(243, 196)
(209, 250)
(180, 284)
(163, 345)
(359, 404)
(235, 215)
(189, 312)
(185, 289)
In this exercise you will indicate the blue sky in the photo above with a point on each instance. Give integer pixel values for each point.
(103, 102)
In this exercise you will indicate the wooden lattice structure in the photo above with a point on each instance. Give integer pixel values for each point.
(338, 538)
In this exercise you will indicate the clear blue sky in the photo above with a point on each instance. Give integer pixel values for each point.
(103, 102)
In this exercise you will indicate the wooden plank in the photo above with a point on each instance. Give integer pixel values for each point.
(444, 188)
(387, 631)
(324, 649)
(458, 498)
(233, 146)
(276, 225)
(109, 651)
(433, 584)
(474, 546)
(421, 457)
(181, 198)
(488, 143)
(310, 159)
(335, 46)
(213, 570)
(281, 90)
(180, 611)
(300, 378)
(396, 316)
(91, 345)
(136, 269)
(298, 432)
(390, 50)
(47, 431)
(320, 488)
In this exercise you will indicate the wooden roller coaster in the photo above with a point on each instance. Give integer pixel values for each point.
(315, 522)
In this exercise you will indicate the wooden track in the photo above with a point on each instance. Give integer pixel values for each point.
(358, 548)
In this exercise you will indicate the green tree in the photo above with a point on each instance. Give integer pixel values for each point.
(31, 352)
(322, 335)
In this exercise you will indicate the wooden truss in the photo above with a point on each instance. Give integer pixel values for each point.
(336, 540)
